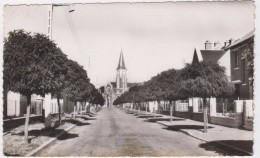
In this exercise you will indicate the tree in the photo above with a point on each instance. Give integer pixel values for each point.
(27, 62)
(56, 62)
(166, 82)
(204, 80)
(76, 83)
(97, 98)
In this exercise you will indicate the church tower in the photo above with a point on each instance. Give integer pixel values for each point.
(121, 78)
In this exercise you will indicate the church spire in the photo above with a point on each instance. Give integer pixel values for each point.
(121, 64)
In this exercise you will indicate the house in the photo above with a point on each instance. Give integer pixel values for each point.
(241, 54)
(214, 52)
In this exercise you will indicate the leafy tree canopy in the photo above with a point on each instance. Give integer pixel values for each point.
(204, 79)
(32, 63)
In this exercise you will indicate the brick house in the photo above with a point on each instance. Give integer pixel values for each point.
(241, 75)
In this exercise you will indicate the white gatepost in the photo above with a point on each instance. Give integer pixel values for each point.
(239, 106)
(156, 106)
(213, 108)
(13, 104)
(248, 108)
(190, 102)
(47, 110)
(195, 104)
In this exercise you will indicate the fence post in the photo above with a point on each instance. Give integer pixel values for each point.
(15, 107)
(195, 104)
(212, 103)
(47, 110)
(171, 112)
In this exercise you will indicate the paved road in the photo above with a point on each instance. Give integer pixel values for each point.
(115, 133)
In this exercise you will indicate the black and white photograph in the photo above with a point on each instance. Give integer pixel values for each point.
(135, 79)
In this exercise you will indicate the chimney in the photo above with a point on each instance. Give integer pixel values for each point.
(226, 43)
(216, 44)
(208, 45)
(231, 40)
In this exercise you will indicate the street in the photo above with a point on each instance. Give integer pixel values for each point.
(115, 133)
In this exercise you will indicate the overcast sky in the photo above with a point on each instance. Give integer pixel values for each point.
(153, 36)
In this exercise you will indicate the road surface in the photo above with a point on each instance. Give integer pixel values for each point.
(115, 133)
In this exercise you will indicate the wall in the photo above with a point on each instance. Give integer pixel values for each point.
(249, 124)
(182, 114)
(165, 112)
(225, 121)
(15, 122)
(198, 116)
(68, 106)
(225, 61)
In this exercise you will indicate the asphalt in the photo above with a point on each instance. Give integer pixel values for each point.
(240, 140)
(116, 133)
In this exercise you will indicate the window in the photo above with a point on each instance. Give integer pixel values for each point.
(236, 54)
(243, 71)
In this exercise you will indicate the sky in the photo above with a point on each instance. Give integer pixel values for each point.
(154, 37)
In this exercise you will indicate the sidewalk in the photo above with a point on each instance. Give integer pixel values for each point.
(14, 144)
(237, 139)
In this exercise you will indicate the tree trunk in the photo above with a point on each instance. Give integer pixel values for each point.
(5, 103)
(27, 117)
(171, 111)
(83, 107)
(74, 114)
(205, 118)
(139, 109)
(59, 108)
(145, 108)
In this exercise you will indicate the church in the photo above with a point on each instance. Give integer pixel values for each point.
(115, 89)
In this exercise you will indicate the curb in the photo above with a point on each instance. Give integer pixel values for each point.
(220, 143)
(48, 142)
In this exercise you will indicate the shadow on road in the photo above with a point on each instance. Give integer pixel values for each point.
(67, 135)
(78, 123)
(180, 127)
(148, 116)
(87, 118)
(6, 154)
(48, 133)
(163, 119)
(246, 145)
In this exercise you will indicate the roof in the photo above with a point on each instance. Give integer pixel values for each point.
(121, 63)
(129, 85)
(113, 84)
(196, 56)
(244, 38)
(212, 55)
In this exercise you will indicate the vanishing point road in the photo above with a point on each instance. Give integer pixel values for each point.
(115, 133)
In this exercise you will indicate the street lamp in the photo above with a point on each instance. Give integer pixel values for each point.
(50, 17)
(47, 100)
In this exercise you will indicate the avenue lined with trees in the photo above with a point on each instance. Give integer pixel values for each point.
(33, 64)
(202, 79)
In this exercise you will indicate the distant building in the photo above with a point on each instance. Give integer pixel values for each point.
(240, 75)
(121, 85)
